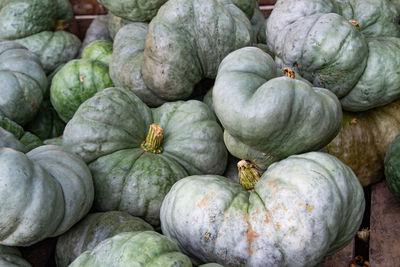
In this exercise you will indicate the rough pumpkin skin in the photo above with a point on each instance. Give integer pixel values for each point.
(93, 229)
(283, 222)
(266, 117)
(24, 83)
(316, 39)
(11, 257)
(43, 194)
(392, 167)
(107, 131)
(364, 139)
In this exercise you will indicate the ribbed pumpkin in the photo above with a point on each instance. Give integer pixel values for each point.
(392, 167)
(11, 257)
(186, 42)
(24, 83)
(341, 45)
(93, 229)
(142, 249)
(99, 50)
(42, 194)
(364, 139)
(133, 172)
(283, 222)
(266, 117)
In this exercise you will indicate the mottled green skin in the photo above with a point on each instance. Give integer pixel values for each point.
(93, 229)
(258, 24)
(46, 124)
(147, 248)
(11, 257)
(98, 30)
(23, 85)
(134, 10)
(126, 62)
(53, 48)
(107, 130)
(267, 118)
(247, 6)
(392, 167)
(100, 50)
(303, 208)
(21, 18)
(396, 3)
(186, 42)
(65, 11)
(30, 141)
(316, 39)
(115, 23)
(77, 81)
(43, 194)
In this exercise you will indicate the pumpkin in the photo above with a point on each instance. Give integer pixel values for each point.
(133, 10)
(186, 42)
(53, 48)
(65, 13)
(11, 257)
(267, 118)
(258, 23)
(145, 248)
(364, 139)
(77, 81)
(283, 222)
(93, 229)
(7, 139)
(53, 141)
(133, 172)
(42, 194)
(115, 23)
(126, 62)
(392, 167)
(99, 50)
(98, 30)
(21, 18)
(340, 45)
(23, 82)
(46, 124)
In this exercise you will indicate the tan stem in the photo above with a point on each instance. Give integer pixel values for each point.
(289, 73)
(359, 262)
(61, 25)
(355, 23)
(248, 174)
(153, 141)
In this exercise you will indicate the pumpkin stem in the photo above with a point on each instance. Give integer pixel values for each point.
(289, 73)
(152, 143)
(359, 262)
(61, 25)
(248, 174)
(355, 23)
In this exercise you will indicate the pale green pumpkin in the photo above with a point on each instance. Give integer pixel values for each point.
(99, 50)
(301, 209)
(11, 257)
(98, 30)
(115, 23)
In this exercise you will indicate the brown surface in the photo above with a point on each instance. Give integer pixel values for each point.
(80, 26)
(341, 258)
(41, 254)
(87, 7)
(385, 228)
(266, 2)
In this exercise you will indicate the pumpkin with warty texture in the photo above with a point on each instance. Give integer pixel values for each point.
(93, 229)
(186, 42)
(341, 46)
(77, 81)
(11, 257)
(24, 83)
(266, 117)
(99, 50)
(283, 222)
(392, 167)
(42, 194)
(133, 172)
(364, 139)
(147, 248)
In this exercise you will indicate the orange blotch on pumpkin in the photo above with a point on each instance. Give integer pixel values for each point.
(205, 200)
(251, 236)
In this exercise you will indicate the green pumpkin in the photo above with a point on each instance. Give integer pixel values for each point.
(147, 248)
(65, 12)
(93, 229)
(364, 139)
(126, 62)
(132, 172)
(43, 194)
(392, 167)
(319, 42)
(267, 118)
(54, 141)
(98, 30)
(53, 48)
(99, 50)
(258, 23)
(115, 23)
(11, 257)
(24, 83)
(178, 55)
(22, 18)
(301, 209)
(77, 81)
(7, 139)
(133, 10)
